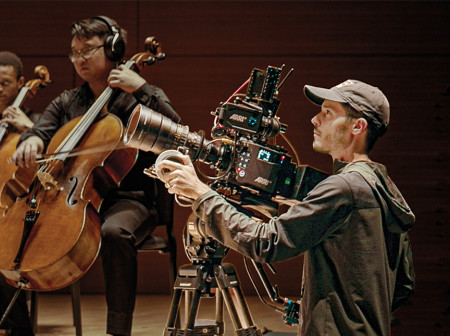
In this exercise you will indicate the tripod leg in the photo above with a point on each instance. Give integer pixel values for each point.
(187, 304)
(193, 309)
(219, 308)
(191, 282)
(226, 278)
(174, 308)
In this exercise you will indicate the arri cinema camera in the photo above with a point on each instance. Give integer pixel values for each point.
(249, 170)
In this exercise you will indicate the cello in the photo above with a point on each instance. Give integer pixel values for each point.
(15, 181)
(57, 225)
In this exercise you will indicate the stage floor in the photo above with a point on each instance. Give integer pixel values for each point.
(150, 316)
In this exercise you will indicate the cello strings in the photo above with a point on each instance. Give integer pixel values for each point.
(76, 134)
(86, 121)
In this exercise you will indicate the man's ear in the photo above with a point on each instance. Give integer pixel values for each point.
(21, 82)
(359, 126)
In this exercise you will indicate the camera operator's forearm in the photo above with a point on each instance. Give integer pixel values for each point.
(200, 190)
(235, 229)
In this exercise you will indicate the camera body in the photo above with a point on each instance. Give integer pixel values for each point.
(260, 170)
(263, 169)
(248, 168)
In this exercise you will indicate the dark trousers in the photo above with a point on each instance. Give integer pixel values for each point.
(126, 224)
(18, 319)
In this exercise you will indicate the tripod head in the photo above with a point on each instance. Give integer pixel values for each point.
(199, 248)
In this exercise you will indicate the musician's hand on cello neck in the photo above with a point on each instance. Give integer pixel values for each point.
(125, 79)
(27, 152)
(15, 117)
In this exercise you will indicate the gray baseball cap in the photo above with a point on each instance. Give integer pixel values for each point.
(364, 98)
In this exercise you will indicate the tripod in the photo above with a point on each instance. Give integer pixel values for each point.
(197, 280)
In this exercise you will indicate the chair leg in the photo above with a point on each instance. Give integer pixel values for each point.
(76, 307)
(34, 310)
(172, 266)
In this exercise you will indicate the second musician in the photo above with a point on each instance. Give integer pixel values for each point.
(11, 81)
(10, 84)
(96, 47)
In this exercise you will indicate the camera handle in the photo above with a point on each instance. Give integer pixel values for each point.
(151, 171)
(155, 172)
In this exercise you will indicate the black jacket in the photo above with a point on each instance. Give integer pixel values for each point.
(350, 227)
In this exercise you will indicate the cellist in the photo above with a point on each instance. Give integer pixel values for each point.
(97, 45)
(11, 81)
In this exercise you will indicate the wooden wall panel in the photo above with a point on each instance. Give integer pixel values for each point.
(212, 46)
(61, 73)
(43, 27)
(252, 28)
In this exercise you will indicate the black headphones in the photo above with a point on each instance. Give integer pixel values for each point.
(114, 44)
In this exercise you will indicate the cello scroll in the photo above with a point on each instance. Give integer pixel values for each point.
(153, 52)
(41, 81)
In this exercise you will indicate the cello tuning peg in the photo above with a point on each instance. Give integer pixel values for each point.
(150, 60)
(161, 56)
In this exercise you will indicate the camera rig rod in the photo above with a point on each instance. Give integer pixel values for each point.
(290, 309)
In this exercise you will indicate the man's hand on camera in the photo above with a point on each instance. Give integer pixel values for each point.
(181, 179)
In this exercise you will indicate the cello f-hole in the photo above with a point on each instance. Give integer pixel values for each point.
(74, 182)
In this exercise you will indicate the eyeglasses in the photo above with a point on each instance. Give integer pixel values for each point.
(85, 53)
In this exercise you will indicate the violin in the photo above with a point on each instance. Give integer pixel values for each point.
(52, 236)
(15, 181)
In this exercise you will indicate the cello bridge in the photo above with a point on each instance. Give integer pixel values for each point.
(48, 181)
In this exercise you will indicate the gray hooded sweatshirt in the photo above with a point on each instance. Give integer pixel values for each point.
(350, 229)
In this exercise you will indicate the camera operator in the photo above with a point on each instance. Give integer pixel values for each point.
(351, 227)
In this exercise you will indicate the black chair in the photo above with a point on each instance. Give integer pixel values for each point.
(76, 308)
(167, 243)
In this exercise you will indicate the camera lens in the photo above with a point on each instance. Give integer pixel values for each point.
(151, 131)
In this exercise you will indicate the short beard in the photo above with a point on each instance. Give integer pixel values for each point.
(335, 140)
